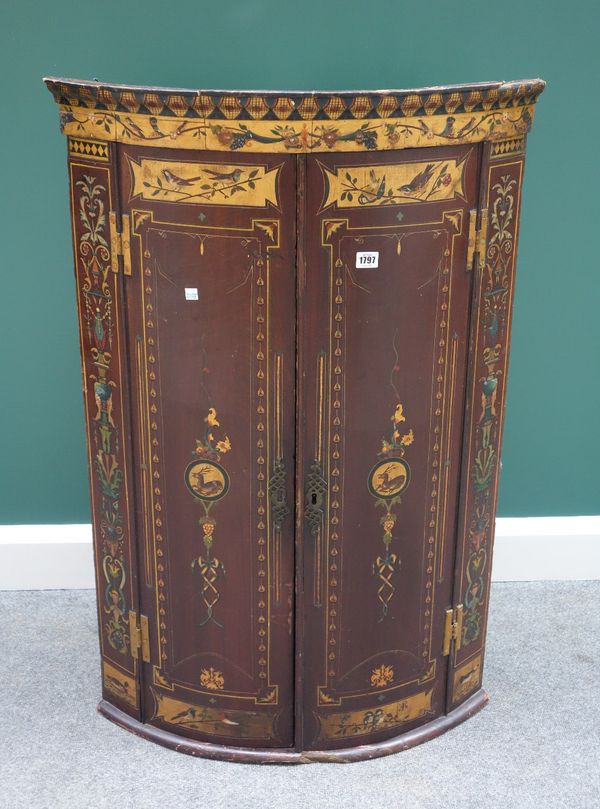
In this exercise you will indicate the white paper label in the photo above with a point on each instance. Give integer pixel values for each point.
(191, 294)
(368, 261)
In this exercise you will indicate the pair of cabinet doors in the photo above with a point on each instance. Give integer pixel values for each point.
(293, 336)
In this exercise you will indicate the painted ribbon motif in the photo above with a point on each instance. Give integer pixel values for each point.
(387, 480)
(208, 482)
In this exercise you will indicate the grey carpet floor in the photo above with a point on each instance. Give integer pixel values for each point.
(537, 744)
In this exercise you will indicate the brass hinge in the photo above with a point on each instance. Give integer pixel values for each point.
(477, 238)
(120, 243)
(138, 633)
(452, 629)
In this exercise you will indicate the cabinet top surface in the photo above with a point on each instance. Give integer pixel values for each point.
(279, 121)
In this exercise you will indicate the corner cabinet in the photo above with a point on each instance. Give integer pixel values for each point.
(294, 315)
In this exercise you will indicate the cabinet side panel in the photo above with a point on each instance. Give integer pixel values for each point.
(502, 175)
(101, 330)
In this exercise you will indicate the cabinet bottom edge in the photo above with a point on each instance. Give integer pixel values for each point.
(363, 752)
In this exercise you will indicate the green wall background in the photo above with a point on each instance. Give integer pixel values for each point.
(552, 438)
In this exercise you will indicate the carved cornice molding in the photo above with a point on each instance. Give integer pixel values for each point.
(300, 106)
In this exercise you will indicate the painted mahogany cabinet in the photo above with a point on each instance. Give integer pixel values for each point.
(294, 317)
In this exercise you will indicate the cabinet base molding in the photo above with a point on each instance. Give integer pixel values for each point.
(344, 755)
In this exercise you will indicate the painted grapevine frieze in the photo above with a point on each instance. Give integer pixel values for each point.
(208, 481)
(97, 312)
(298, 136)
(457, 128)
(292, 138)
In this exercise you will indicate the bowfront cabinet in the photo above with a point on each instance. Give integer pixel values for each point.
(294, 317)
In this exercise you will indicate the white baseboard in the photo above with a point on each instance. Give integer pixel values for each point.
(60, 557)
(547, 548)
(46, 557)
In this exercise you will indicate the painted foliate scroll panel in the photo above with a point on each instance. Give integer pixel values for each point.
(211, 305)
(503, 174)
(100, 311)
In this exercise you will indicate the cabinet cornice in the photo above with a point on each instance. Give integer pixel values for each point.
(296, 122)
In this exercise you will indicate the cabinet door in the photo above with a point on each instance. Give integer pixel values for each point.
(384, 306)
(211, 345)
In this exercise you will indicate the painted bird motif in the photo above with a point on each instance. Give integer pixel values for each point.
(466, 128)
(134, 127)
(419, 181)
(211, 418)
(226, 721)
(399, 416)
(155, 127)
(176, 180)
(188, 714)
(470, 674)
(191, 716)
(225, 175)
(448, 130)
(374, 190)
(232, 176)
